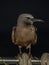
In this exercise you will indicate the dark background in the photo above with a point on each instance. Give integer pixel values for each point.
(9, 12)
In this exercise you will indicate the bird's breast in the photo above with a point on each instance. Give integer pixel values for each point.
(24, 36)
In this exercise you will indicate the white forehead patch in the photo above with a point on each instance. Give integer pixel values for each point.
(26, 15)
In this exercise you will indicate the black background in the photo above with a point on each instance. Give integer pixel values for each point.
(9, 12)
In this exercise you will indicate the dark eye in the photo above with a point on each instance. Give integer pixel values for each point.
(28, 18)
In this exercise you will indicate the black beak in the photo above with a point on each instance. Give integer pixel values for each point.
(37, 20)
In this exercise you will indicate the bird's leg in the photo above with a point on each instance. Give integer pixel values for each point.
(20, 49)
(29, 46)
(29, 49)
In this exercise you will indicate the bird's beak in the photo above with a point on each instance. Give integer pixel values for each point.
(37, 20)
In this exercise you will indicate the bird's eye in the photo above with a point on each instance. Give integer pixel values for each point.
(28, 18)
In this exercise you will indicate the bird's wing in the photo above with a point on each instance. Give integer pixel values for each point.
(13, 34)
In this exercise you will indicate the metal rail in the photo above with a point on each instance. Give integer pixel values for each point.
(14, 61)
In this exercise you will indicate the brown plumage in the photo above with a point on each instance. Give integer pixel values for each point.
(25, 36)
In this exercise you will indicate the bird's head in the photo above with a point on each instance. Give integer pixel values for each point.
(27, 19)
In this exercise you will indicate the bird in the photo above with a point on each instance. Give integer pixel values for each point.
(24, 32)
